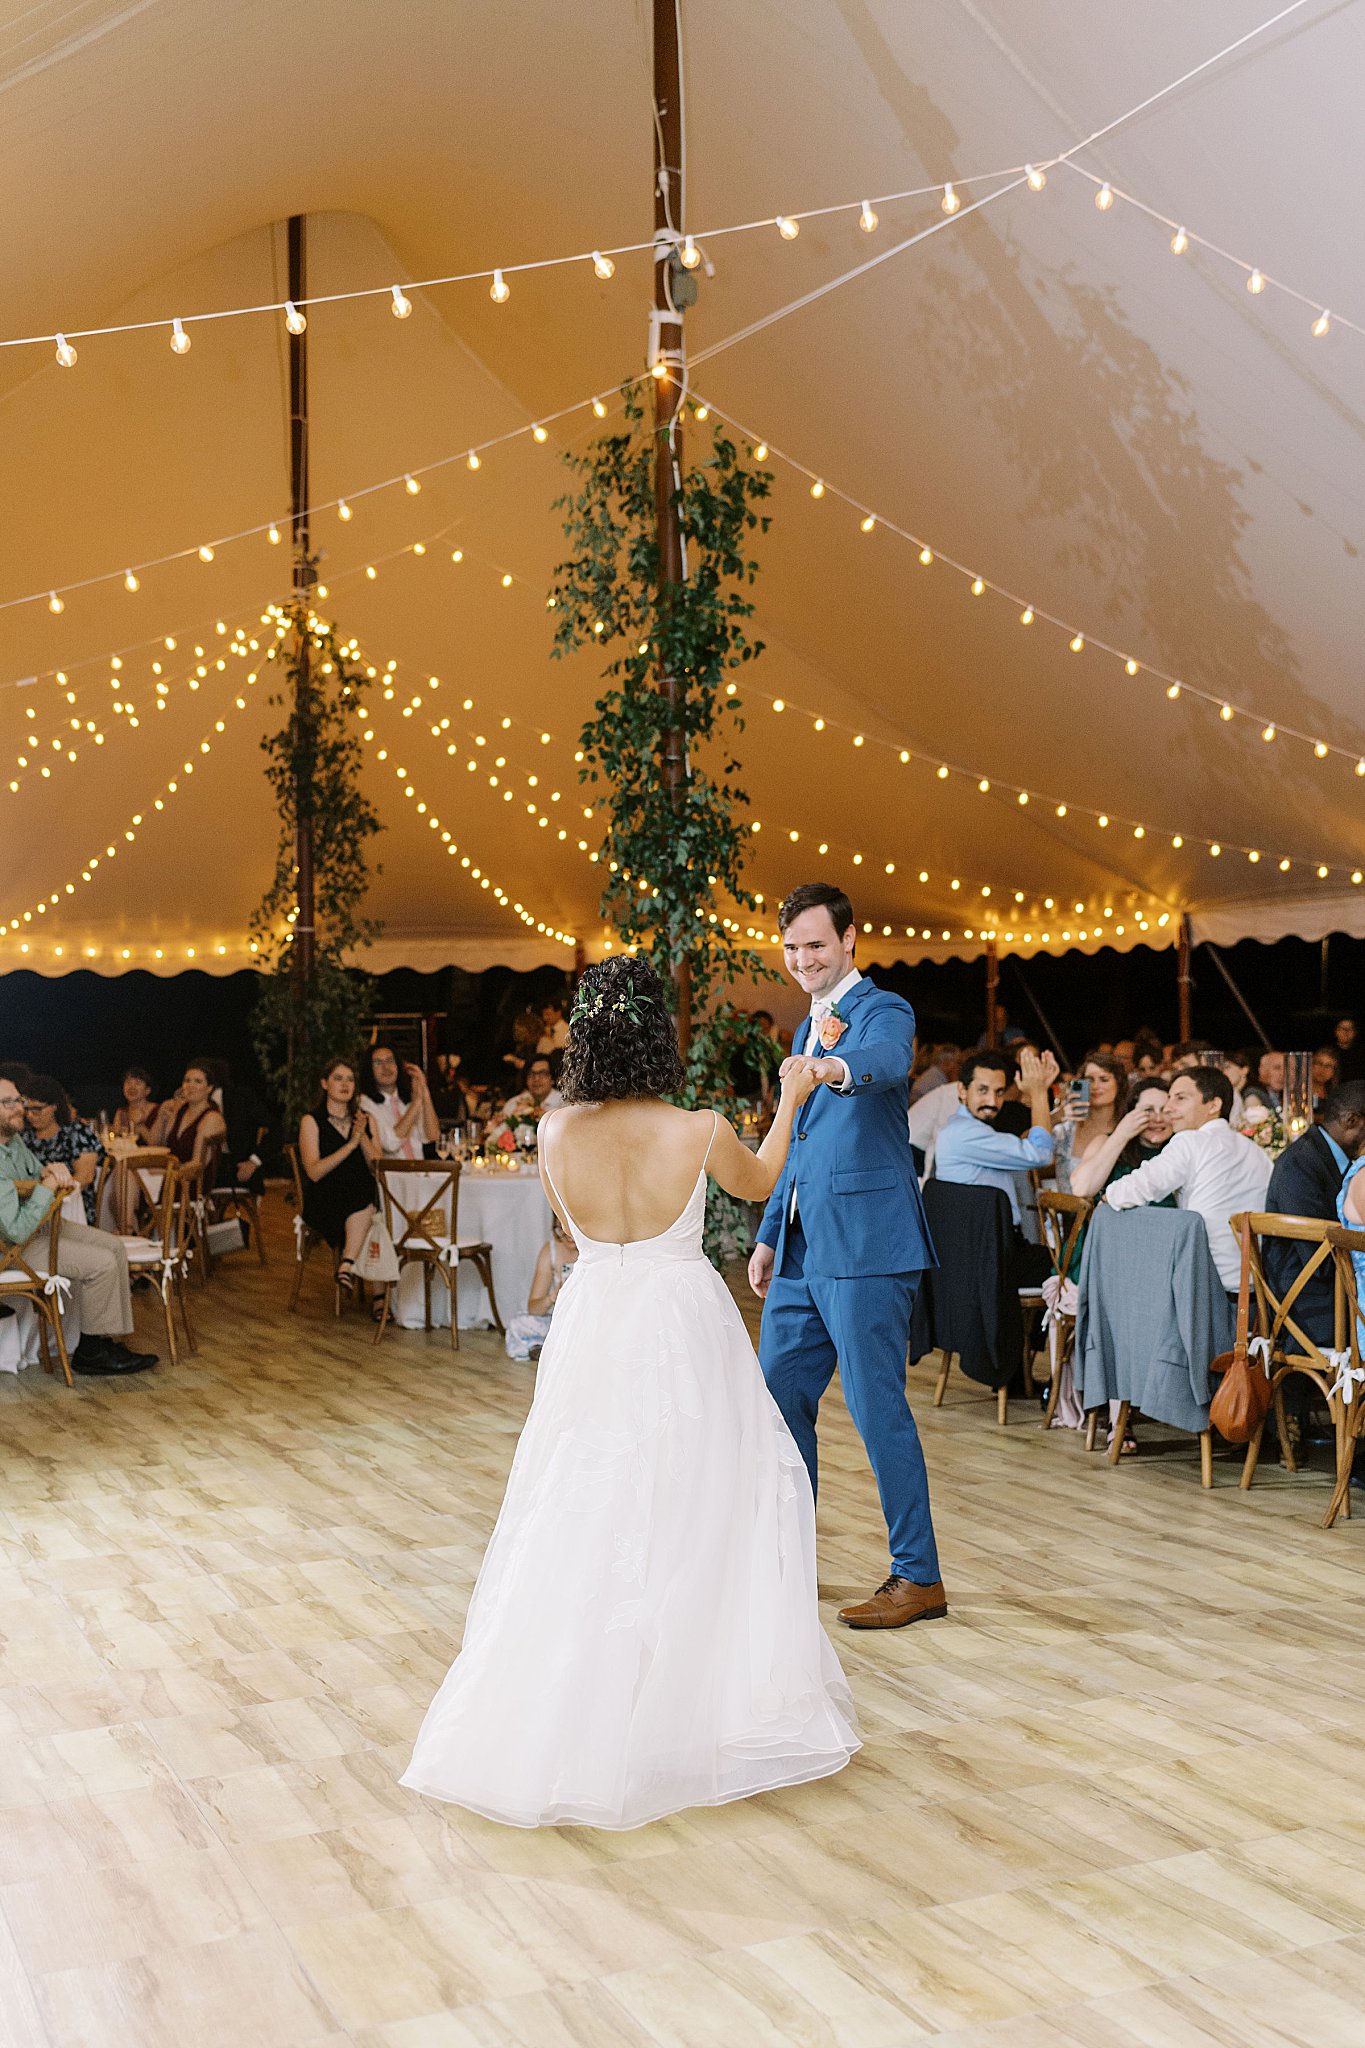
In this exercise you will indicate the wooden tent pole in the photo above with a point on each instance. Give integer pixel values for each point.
(992, 989)
(666, 348)
(303, 583)
(1184, 980)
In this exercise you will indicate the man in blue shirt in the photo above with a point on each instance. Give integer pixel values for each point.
(970, 1150)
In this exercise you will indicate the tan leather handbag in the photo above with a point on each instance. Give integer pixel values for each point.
(1239, 1407)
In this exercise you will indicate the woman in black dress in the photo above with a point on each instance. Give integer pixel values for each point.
(337, 1150)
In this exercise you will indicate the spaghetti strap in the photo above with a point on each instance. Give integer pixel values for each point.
(554, 1190)
(715, 1126)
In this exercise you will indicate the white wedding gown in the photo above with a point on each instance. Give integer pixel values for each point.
(643, 1636)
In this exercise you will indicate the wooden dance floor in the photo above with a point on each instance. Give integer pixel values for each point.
(1117, 1799)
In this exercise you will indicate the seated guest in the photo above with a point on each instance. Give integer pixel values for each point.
(244, 1115)
(338, 1147)
(189, 1124)
(1149, 1055)
(558, 1255)
(1005, 1032)
(447, 1089)
(57, 1136)
(1306, 1181)
(1078, 1132)
(1326, 1073)
(538, 1091)
(554, 1025)
(1207, 1166)
(927, 1117)
(1268, 1081)
(971, 1150)
(95, 1262)
(1140, 1133)
(1190, 1053)
(137, 1117)
(939, 1071)
(1350, 1048)
(398, 1102)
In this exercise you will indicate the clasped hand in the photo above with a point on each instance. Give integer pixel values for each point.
(794, 1070)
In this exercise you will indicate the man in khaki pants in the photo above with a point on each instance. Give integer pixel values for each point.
(94, 1262)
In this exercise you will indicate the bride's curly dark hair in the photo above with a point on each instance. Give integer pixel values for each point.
(622, 1038)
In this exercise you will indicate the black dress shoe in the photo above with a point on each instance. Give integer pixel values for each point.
(132, 1361)
(102, 1358)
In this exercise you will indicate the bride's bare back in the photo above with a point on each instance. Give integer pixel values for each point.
(625, 1170)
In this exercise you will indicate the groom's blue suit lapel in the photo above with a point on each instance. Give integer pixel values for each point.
(801, 1040)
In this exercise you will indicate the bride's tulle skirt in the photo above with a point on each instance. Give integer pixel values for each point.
(643, 1636)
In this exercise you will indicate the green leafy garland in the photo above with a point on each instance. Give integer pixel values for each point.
(667, 858)
(314, 759)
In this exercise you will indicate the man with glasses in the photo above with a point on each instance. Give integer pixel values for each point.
(92, 1260)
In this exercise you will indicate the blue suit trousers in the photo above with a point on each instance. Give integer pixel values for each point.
(810, 1323)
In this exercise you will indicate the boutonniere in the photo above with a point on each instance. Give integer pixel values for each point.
(832, 1028)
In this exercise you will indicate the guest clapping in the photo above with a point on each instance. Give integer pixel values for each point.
(188, 1123)
(338, 1149)
(398, 1102)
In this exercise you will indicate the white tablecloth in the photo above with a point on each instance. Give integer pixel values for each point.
(510, 1211)
(19, 1334)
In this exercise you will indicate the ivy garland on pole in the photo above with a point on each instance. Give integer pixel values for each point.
(667, 858)
(300, 1019)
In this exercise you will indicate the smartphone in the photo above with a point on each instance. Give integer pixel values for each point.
(1078, 1094)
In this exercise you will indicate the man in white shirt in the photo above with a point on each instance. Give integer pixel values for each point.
(1207, 1166)
(539, 1093)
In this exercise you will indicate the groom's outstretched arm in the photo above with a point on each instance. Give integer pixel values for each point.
(886, 1061)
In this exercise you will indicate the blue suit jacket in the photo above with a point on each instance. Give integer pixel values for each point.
(849, 1158)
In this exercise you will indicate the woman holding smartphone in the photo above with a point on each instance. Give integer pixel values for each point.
(1089, 1115)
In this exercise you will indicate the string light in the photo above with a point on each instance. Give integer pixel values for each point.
(788, 228)
(1323, 324)
(689, 255)
(54, 603)
(66, 355)
(180, 341)
(400, 304)
(1034, 179)
(499, 291)
(1104, 198)
(1028, 611)
(950, 201)
(867, 219)
(1256, 282)
(603, 265)
(1180, 242)
(343, 509)
(295, 321)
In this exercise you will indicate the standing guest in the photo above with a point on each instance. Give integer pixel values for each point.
(57, 1136)
(1326, 1072)
(95, 1262)
(137, 1117)
(526, 1334)
(939, 1072)
(1207, 1166)
(843, 1241)
(971, 1151)
(538, 1091)
(1140, 1133)
(1350, 1048)
(1077, 1133)
(189, 1123)
(554, 1025)
(1306, 1181)
(339, 1146)
(399, 1104)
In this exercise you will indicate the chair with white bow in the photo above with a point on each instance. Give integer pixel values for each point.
(165, 1254)
(1278, 1338)
(1348, 1248)
(420, 1206)
(28, 1272)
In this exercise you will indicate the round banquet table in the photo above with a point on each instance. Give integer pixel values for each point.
(510, 1211)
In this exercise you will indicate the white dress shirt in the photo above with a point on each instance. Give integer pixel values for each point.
(1214, 1171)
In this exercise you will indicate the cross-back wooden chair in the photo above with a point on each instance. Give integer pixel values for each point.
(165, 1253)
(231, 1199)
(306, 1239)
(1278, 1337)
(1347, 1245)
(1062, 1219)
(195, 1181)
(28, 1272)
(422, 1220)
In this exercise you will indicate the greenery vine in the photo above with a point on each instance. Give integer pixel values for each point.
(670, 857)
(313, 767)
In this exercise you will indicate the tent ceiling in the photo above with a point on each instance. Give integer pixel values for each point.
(1128, 439)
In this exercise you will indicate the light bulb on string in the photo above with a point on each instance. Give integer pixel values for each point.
(295, 321)
(1131, 666)
(1323, 324)
(950, 201)
(180, 341)
(977, 586)
(130, 581)
(54, 603)
(761, 452)
(1104, 198)
(689, 255)
(472, 460)
(1255, 283)
(1180, 242)
(1035, 179)
(66, 355)
(817, 489)
(867, 219)
(786, 227)
(868, 523)
(1077, 642)
(274, 536)
(603, 265)
(401, 304)
(206, 553)
(1026, 615)
(538, 432)
(599, 408)
(343, 509)
(499, 291)
(411, 486)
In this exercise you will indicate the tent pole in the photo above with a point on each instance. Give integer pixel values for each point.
(1226, 973)
(666, 349)
(303, 581)
(1184, 983)
(992, 990)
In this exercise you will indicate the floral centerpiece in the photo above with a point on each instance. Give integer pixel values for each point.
(1265, 1127)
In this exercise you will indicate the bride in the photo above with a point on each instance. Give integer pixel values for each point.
(643, 1636)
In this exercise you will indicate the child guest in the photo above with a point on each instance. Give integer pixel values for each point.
(526, 1334)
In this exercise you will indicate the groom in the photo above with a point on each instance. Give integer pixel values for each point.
(843, 1242)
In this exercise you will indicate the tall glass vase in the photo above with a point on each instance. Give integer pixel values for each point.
(1297, 1109)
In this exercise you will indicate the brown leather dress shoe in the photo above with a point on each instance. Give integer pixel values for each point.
(896, 1604)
